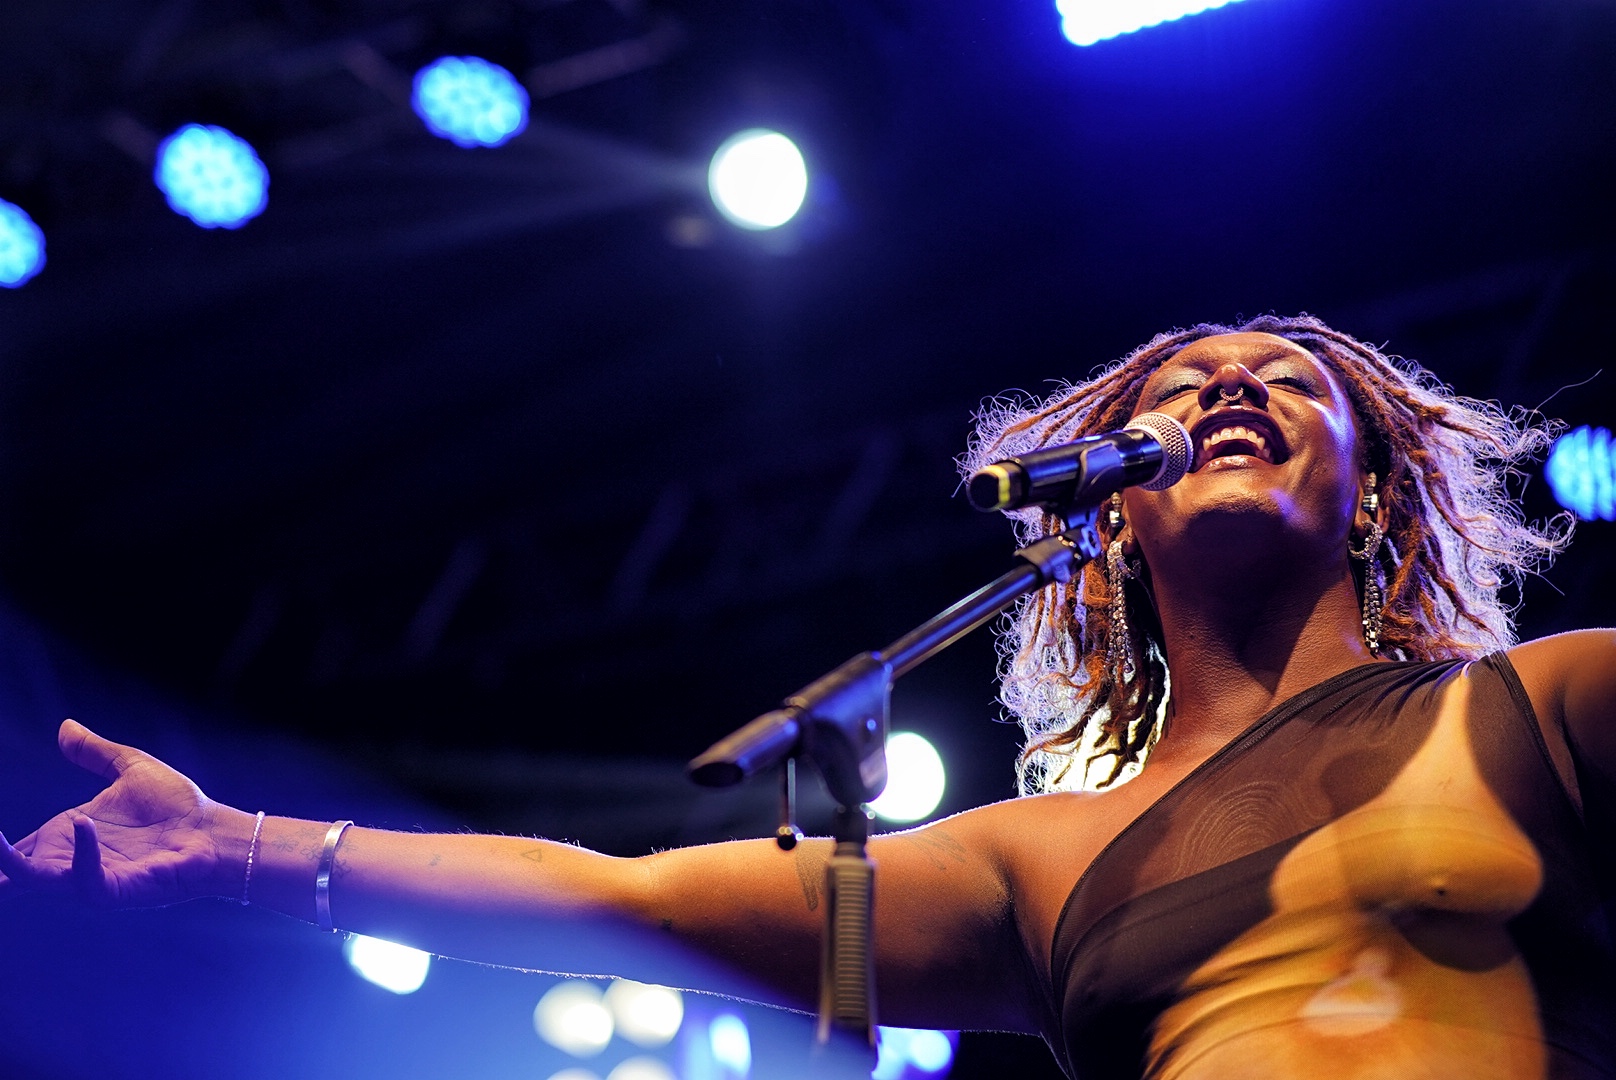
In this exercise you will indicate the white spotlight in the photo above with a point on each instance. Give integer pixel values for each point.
(1085, 22)
(642, 1068)
(904, 1052)
(915, 779)
(571, 1016)
(758, 179)
(646, 1015)
(731, 1044)
(389, 965)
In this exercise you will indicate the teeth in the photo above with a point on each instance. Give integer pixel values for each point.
(1237, 431)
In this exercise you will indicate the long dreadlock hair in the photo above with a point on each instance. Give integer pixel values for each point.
(1454, 539)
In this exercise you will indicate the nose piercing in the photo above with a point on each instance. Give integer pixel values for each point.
(1230, 397)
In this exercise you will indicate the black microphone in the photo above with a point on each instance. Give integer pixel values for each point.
(1152, 452)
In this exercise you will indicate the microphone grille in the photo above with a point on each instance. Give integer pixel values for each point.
(1175, 442)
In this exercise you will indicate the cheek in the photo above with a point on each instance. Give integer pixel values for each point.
(1146, 513)
(1340, 445)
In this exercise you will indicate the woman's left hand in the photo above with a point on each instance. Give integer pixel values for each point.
(149, 838)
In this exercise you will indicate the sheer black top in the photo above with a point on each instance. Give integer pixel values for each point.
(1391, 875)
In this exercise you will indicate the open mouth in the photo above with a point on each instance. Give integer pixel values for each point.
(1227, 433)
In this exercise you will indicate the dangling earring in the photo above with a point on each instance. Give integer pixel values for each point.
(1373, 596)
(1119, 571)
(1371, 499)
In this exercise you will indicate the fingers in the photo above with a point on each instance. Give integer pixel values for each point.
(88, 880)
(10, 860)
(90, 751)
(18, 871)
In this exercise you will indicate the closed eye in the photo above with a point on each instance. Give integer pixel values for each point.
(1173, 391)
(1296, 383)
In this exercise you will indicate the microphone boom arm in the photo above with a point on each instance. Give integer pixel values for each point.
(839, 722)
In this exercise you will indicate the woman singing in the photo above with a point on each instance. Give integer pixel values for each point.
(1371, 837)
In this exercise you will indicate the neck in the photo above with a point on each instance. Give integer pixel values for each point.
(1236, 650)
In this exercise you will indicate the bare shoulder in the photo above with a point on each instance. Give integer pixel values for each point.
(1571, 679)
(1003, 838)
(991, 844)
(1030, 851)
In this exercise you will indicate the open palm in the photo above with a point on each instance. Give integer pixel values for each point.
(144, 840)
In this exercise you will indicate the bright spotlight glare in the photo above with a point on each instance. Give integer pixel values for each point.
(931, 1051)
(731, 1044)
(22, 246)
(646, 1015)
(899, 1048)
(1581, 471)
(915, 779)
(574, 1073)
(388, 964)
(469, 101)
(642, 1068)
(758, 179)
(571, 1016)
(1085, 22)
(211, 176)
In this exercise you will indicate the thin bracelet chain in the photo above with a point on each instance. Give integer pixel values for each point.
(258, 828)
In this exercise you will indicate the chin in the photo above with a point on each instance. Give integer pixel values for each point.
(1256, 520)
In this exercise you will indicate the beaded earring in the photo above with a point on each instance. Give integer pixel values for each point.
(1373, 591)
(1119, 570)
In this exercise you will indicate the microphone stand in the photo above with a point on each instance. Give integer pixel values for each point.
(839, 723)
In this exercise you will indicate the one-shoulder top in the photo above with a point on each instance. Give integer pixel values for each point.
(1393, 875)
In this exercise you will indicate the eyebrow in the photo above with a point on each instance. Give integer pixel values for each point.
(1272, 354)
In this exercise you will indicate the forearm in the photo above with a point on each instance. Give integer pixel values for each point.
(497, 899)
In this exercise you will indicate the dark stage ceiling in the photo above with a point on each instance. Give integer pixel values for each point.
(454, 458)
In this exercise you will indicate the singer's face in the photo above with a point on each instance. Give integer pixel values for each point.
(1276, 447)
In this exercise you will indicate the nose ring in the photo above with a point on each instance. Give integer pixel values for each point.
(1230, 397)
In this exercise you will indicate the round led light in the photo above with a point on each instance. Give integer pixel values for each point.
(470, 101)
(212, 177)
(22, 246)
(388, 964)
(571, 1016)
(758, 179)
(915, 779)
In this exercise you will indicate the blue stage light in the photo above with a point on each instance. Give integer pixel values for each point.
(212, 177)
(469, 101)
(22, 246)
(1086, 21)
(1582, 473)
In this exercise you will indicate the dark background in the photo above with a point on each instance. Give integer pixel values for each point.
(502, 481)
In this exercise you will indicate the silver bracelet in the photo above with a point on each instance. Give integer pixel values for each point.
(322, 877)
(246, 882)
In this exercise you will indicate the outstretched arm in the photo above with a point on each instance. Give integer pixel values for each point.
(948, 953)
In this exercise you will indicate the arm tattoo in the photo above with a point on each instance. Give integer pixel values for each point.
(939, 847)
(533, 854)
(810, 873)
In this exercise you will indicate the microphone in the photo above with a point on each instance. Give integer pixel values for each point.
(1152, 451)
